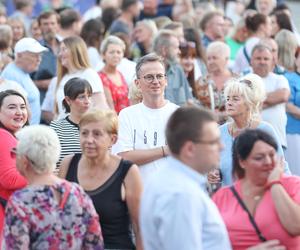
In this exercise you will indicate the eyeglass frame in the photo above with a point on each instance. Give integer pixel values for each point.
(153, 77)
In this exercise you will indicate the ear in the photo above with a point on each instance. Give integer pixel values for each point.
(68, 100)
(113, 138)
(137, 83)
(242, 163)
(188, 149)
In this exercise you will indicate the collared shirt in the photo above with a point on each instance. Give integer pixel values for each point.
(206, 41)
(177, 213)
(178, 89)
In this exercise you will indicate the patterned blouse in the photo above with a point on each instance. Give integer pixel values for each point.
(35, 220)
(119, 93)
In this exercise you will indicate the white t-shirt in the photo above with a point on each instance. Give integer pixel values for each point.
(49, 102)
(276, 115)
(141, 127)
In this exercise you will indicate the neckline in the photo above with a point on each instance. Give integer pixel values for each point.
(105, 185)
(71, 122)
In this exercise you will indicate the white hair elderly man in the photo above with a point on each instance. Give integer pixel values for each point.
(28, 53)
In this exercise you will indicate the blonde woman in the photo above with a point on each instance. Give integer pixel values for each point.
(72, 62)
(244, 98)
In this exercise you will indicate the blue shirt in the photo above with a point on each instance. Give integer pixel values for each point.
(178, 89)
(14, 73)
(293, 124)
(226, 154)
(206, 41)
(177, 213)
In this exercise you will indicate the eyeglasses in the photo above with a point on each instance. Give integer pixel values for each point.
(150, 78)
(209, 142)
(247, 82)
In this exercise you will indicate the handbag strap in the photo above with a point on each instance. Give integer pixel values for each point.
(258, 232)
(65, 195)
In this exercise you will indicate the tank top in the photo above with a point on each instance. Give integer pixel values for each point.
(112, 210)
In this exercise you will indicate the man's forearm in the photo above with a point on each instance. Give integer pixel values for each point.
(144, 156)
(276, 97)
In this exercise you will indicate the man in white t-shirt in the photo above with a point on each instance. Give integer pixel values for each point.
(141, 136)
(277, 88)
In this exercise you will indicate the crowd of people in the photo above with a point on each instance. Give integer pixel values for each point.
(154, 124)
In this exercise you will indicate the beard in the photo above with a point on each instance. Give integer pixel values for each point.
(49, 36)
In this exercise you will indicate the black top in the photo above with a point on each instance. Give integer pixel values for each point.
(112, 211)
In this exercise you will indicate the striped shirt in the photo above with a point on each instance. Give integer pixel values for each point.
(68, 135)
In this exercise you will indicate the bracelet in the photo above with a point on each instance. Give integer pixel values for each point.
(270, 184)
(163, 151)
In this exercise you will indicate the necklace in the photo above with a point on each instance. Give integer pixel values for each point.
(234, 130)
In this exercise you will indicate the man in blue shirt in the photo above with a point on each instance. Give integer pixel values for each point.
(176, 211)
(28, 53)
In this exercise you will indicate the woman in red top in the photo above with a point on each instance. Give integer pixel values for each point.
(115, 88)
(13, 116)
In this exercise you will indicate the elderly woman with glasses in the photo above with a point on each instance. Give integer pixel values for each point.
(244, 98)
(49, 213)
(261, 210)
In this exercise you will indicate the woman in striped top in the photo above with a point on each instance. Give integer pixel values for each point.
(77, 101)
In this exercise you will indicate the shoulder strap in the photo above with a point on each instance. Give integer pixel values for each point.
(65, 195)
(246, 54)
(258, 232)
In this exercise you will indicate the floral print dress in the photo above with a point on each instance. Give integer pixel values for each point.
(36, 220)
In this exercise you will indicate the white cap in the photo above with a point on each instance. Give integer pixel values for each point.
(30, 45)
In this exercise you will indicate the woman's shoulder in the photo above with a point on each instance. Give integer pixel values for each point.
(222, 196)
(6, 136)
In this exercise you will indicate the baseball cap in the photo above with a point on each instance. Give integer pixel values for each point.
(29, 44)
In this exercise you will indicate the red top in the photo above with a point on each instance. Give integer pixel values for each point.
(241, 232)
(10, 178)
(119, 93)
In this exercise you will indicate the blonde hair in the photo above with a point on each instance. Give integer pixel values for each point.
(251, 87)
(111, 40)
(134, 94)
(79, 56)
(287, 45)
(108, 117)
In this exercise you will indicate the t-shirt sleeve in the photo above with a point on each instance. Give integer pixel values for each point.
(282, 83)
(125, 140)
(292, 185)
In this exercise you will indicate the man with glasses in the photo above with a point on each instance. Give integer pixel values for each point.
(176, 211)
(141, 137)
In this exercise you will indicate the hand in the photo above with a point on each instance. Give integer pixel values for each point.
(214, 176)
(166, 150)
(278, 170)
(268, 245)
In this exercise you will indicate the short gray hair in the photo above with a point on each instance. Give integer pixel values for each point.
(149, 24)
(111, 40)
(152, 57)
(41, 145)
(162, 40)
(221, 47)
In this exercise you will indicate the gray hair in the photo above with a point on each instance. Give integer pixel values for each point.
(149, 24)
(6, 36)
(287, 45)
(162, 40)
(251, 87)
(152, 57)
(40, 145)
(261, 47)
(221, 47)
(111, 40)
